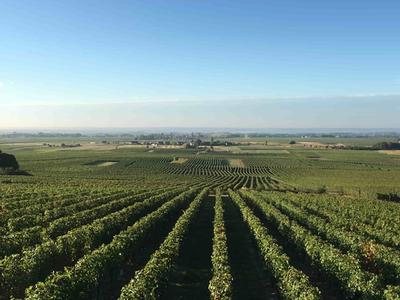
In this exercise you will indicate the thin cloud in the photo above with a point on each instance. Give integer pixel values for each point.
(55, 103)
(148, 100)
(1, 84)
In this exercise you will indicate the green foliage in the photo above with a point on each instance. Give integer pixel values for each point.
(292, 283)
(8, 161)
(59, 221)
(23, 269)
(387, 146)
(80, 216)
(220, 286)
(359, 239)
(392, 293)
(87, 272)
(346, 268)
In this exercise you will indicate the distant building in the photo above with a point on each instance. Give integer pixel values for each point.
(135, 143)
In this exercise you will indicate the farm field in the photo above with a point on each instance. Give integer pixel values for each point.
(38, 141)
(256, 222)
(321, 140)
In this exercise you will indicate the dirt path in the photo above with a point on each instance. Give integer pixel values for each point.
(102, 163)
(234, 162)
(194, 268)
(250, 281)
(391, 152)
(180, 160)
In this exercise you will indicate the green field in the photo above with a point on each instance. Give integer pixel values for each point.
(332, 141)
(256, 222)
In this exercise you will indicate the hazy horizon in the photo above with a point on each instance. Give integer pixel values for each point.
(198, 129)
(375, 111)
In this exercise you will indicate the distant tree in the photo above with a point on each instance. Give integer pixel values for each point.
(383, 146)
(197, 143)
(8, 161)
(292, 142)
(265, 143)
(62, 145)
(386, 146)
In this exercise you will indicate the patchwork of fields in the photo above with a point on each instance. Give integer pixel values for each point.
(170, 224)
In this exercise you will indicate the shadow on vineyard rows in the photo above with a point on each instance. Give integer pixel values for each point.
(110, 289)
(327, 284)
(194, 269)
(250, 280)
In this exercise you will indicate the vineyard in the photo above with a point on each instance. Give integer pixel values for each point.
(175, 224)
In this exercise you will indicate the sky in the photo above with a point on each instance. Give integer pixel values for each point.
(219, 63)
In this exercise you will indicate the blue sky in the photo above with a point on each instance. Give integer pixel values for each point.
(200, 63)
